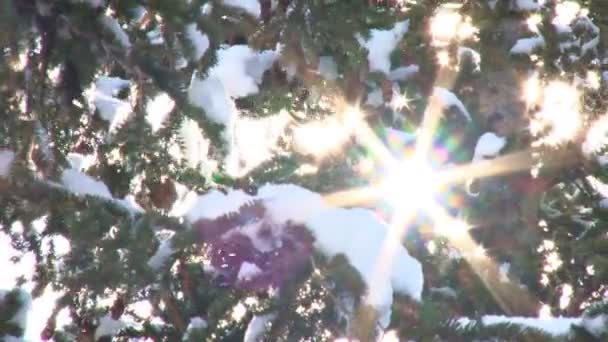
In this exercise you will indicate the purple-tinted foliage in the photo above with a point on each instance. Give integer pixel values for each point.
(278, 250)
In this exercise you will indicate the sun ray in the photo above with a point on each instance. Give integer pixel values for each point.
(511, 298)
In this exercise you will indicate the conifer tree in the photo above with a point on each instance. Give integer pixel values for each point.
(286, 170)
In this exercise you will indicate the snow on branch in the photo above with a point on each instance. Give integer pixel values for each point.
(262, 240)
(380, 45)
(6, 161)
(527, 46)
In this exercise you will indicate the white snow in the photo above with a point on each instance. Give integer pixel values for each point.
(504, 272)
(195, 323)
(81, 162)
(102, 96)
(82, 184)
(164, 251)
(213, 204)
(108, 326)
(247, 271)
(525, 5)
(328, 68)
(526, 46)
(257, 326)
(237, 74)
(158, 109)
(553, 325)
(362, 238)
(448, 99)
(374, 98)
(211, 95)
(380, 45)
(114, 26)
(199, 40)
(488, 146)
(250, 6)
(288, 202)
(356, 233)
(403, 73)
(130, 204)
(6, 160)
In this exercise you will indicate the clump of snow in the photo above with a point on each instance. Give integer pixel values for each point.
(555, 326)
(527, 46)
(211, 95)
(250, 6)
(448, 99)
(114, 26)
(130, 204)
(109, 326)
(157, 110)
(60, 244)
(361, 237)
(195, 323)
(328, 68)
(257, 326)
(247, 271)
(82, 184)
(155, 37)
(403, 73)
(356, 233)
(102, 96)
(525, 5)
(488, 146)
(288, 202)
(164, 251)
(380, 45)
(237, 74)
(213, 204)
(6, 160)
(81, 162)
(374, 98)
(504, 272)
(240, 69)
(199, 40)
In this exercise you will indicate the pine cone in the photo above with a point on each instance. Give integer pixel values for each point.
(163, 194)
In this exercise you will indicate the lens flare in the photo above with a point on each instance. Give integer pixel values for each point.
(559, 115)
(410, 184)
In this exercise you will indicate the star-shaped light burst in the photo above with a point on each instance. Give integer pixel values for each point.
(410, 183)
